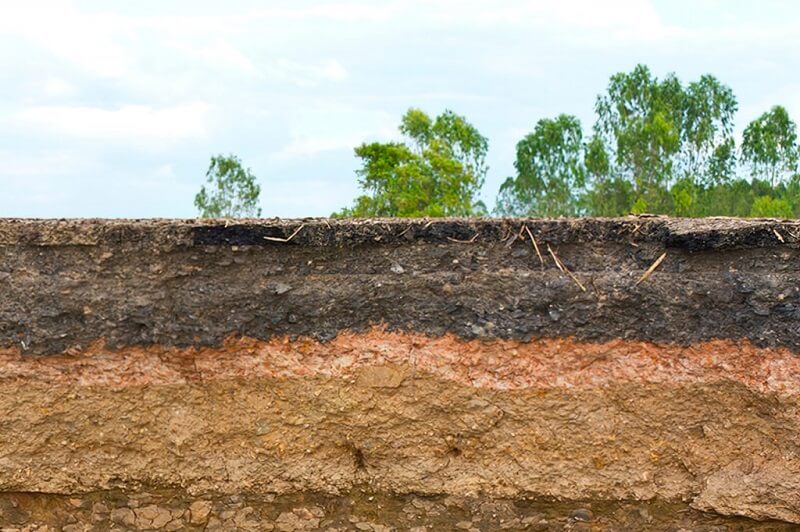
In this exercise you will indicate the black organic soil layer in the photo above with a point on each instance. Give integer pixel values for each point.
(67, 283)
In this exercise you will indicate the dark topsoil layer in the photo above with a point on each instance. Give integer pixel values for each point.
(66, 283)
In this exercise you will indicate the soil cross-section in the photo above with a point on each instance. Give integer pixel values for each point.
(640, 372)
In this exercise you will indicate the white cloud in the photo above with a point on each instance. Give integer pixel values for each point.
(565, 13)
(303, 195)
(333, 70)
(165, 171)
(222, 53)
(87, 41)
(55, 87)
(140, 124)
(571, 19)
(310, 146)
(305, 75)
(41, 180)
(327, 126)
(43, 163)
(457, 13)
(366, 12)
(307, 146)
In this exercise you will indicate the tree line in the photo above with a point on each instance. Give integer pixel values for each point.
(656, 146)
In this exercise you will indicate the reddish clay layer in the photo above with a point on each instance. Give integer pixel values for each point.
(493, 364)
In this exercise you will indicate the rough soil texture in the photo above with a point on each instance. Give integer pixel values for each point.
(359, 510)
(68, 283)
(393, 374)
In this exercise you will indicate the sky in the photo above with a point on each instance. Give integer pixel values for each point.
(113, 109)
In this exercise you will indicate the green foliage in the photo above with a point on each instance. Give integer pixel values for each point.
(684, 197)
(708, 149)
(232, 193)
(550, 171)
(722, 163)
(767, 207)
(438, 171)
(770, 145)
(658, 147)
(611, 197)
(662, 134)
(640, 121)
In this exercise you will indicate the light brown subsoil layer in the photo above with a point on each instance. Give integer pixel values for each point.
(713, 425)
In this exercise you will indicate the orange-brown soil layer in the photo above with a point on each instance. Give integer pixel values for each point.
(713, 425)
(495, 364)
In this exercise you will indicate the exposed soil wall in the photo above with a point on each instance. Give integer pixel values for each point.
(637, 372)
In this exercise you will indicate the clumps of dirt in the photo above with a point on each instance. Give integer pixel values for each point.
(66, 284)
(399, 429)
(360, 510)
(467, 374)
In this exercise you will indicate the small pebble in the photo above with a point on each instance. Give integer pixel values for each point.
(581, 514)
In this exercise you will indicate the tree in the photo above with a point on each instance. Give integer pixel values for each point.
(722, 163)
(605, 195)
(550, 171)
(791, 193)
(233, 191)
(667, 140)
(640, 121)
(770, 145)
(438, 171)
(657, 146)
(707, 146)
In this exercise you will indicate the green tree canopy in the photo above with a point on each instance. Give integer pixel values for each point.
(770, 145)
(232, 190)
(640, 121)
(656, 145)
(550, 171)
(437, 171)
(707, 146)
(660, 132)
